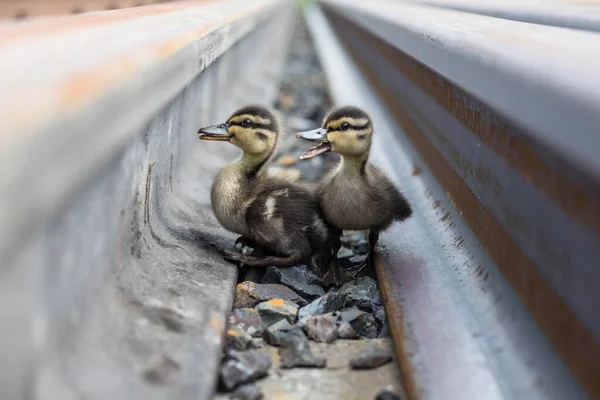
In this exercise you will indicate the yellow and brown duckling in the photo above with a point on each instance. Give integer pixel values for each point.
(355, 195)
(272, 213)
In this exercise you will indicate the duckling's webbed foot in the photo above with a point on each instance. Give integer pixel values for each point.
(247, 246)
(262, 261)
(231, 255)
(369, 265)
(336, 275)
(370, 261)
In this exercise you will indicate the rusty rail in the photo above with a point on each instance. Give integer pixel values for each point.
(109, 283)
(491, 288)
(23, 9)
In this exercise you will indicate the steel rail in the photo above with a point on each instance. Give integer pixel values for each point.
(42, 113)
(494, 58)
(110, 285)
(21, 9)
(584, 15)
(489, 287)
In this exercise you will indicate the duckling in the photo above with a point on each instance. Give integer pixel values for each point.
(355, 195)
(273, 213)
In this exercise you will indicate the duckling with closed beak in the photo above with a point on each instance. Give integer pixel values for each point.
(355, 195)
(270, 212)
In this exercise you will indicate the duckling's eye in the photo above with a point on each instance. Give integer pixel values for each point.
(246, 122)
(345, 126)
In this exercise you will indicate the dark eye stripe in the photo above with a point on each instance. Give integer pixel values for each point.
(254, 125)
(355, 128)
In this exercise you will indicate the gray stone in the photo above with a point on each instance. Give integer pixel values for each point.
(244, 367)
(384, 332)
(362, 322)
(361, 247)
(372, 357)
(360, 294)
(249, 294)
(295, 351)
(275, 310)
(322, 328)
(356, 242)
(350, 240)
(330, 302)
(247, 392)
(345, 252)
(353, 264)
(387, 394)
(376, 302)
(258, 343)
(247, 320)
(380, 317)
(237, 340)
(298, 278)
(276, 332)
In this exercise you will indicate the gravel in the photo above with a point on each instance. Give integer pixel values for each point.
(275, 310)
(360, 294)
(249, 294)
(295, 351)
(243, 367)
(373, 357)
(247, 320)
(298, 278)
(325, 304)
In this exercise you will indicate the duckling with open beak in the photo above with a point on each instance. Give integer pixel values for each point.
(274, 213)
(355, 195)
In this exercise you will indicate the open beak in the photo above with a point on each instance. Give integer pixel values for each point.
(318, 135)
(215, 132)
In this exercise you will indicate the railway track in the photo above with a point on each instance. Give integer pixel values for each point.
(505, 190)
(486, 114)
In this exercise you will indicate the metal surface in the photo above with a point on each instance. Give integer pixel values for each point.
(21, 9)
(493, 59)
(111, 285)
(167, 45)
(504, 245)
(574, 14)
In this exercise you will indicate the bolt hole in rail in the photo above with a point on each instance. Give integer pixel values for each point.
(485, 113)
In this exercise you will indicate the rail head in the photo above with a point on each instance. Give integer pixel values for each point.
(541, 77)
(76, 88)
(584, 15)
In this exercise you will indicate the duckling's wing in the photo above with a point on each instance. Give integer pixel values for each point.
(278, 218)
(400, 206)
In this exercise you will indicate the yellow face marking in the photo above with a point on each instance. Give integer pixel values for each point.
(362, 131)
(236, 129)
(335, 124)
(253, 118)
